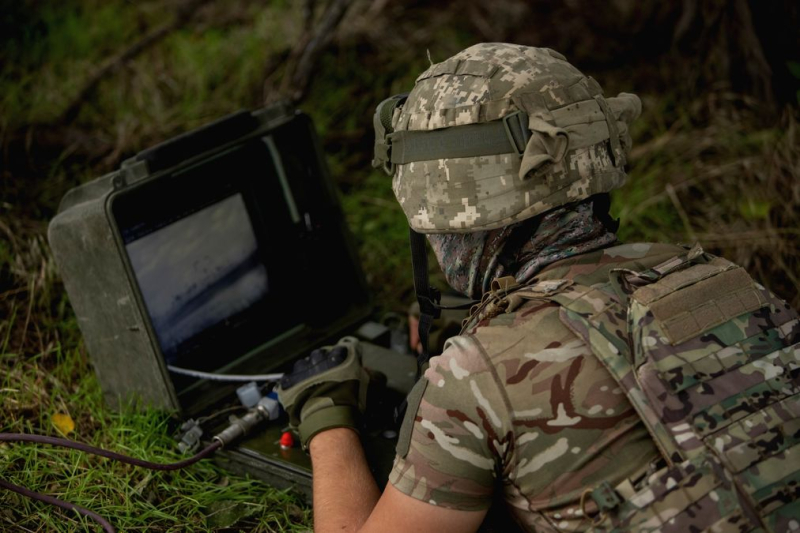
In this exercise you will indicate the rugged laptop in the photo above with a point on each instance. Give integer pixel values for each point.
(222, 251)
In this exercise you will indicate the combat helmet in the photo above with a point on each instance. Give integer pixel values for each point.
(500, 133)
(497, 134)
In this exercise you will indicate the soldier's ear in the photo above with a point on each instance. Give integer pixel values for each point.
(548, 145)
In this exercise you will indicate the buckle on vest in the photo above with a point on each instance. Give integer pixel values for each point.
(504, 285)
(606, 497)
(548, 287)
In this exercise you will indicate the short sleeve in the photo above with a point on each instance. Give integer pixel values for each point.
(453, 444)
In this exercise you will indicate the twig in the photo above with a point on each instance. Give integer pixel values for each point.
(375, 8)
(31, 297)
(714, 172)
(271, 72)
(10, 322)
(184, 13)
(769, 236)
(655, 145)
(297, 77)
(309, 6)
(788, 271)
(42, 349)
(484, 27)
(681, 212)
(755, 62)
(12, 292)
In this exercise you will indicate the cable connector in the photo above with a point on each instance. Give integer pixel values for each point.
(239, 427)
(249, 394)
(269, 407)
(266, 409)
(190, 436)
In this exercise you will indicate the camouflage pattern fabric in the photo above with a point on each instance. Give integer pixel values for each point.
(577, 147)
(520, 404)
(711, 361)
(708, 360)
(470, 261)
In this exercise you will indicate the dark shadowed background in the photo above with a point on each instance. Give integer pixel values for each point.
(88, 83)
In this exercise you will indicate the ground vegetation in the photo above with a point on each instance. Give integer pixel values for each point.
(86, 84)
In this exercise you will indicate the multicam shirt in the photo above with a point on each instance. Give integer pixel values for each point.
(520, 404)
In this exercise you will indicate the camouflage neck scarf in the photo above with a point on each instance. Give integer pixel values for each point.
(471, 261)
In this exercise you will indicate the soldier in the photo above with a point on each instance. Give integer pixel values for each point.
(596, 384)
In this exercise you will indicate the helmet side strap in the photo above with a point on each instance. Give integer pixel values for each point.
(427, 296)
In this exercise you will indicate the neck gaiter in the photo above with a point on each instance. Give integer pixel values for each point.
(471, 261)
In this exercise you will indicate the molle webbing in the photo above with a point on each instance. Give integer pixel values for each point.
(720, 395)
(713, 368)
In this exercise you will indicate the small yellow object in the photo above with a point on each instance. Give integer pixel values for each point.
(63, 423)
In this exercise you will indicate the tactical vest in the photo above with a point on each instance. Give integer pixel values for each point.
(710, 360)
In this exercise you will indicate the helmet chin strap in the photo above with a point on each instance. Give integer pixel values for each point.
(427, 296)
(429, 308)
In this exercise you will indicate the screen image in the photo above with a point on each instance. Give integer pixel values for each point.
(198, 271)
(225, 254)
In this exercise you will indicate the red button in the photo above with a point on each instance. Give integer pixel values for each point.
(287, 441)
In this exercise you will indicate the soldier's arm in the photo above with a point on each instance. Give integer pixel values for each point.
(347, 499)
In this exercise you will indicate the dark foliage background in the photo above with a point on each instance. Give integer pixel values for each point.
(87, 83)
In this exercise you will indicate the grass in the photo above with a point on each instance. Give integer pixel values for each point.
(191, 77)
(730, 186)
(704, 166)
(46, 372)
(200, 498)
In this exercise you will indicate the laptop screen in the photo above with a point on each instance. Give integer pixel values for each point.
(198, 272)
(238, 250)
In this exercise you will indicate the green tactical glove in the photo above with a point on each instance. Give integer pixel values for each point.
(327, 389)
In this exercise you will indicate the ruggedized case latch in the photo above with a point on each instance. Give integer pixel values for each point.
(130, 171)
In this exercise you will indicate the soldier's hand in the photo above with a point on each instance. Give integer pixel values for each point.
(325, 390)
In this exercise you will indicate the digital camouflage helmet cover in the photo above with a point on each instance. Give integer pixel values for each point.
(500, 133)
(497, 134)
